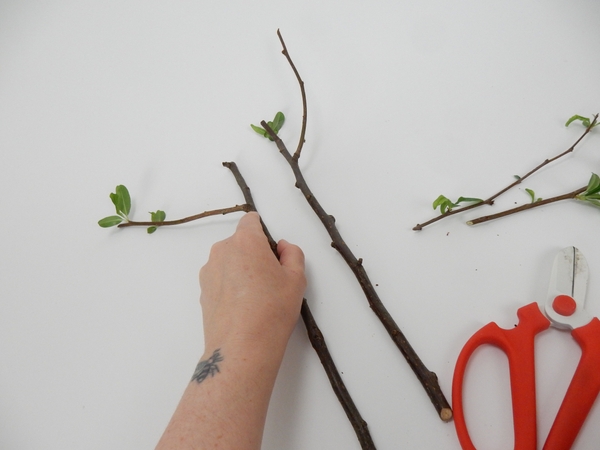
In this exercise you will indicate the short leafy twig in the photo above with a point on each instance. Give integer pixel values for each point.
(589, 124)
(589, 194)
(214, 212)
(427, 378)
(527, 206)
(121, 199)
(316, 337)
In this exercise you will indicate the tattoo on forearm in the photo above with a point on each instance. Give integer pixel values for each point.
(207, 367)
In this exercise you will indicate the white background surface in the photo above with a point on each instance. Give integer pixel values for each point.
(100, 330)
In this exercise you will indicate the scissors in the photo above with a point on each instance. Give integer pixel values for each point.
(563, 308)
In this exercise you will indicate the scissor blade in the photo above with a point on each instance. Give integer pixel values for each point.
(569, 277)
(570, 273)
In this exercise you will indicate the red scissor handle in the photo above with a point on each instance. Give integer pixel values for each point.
(518, 344)
(582, 392)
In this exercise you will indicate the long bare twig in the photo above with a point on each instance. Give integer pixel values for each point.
(427, 378)
(519, 180)
(315, 336)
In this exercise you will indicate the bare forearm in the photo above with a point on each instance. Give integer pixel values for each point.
(225, 404)
(250, 303)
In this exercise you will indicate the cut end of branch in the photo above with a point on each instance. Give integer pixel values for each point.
(446, 414)
(418, 227)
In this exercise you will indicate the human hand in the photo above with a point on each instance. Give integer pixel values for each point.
(248, 296)
(250, 304)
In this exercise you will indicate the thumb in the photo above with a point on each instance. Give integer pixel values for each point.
(250, 220)
(290, 256)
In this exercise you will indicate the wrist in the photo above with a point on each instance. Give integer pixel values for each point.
(260, 348)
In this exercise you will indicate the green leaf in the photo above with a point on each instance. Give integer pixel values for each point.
(260, 130)
(158, 216)
(592, 193)
(110, 221)
(124, 200)
(441, 200)
(275, 125)
(593, 186)
(114, 199)
(278, 122)
(584, 120)
(592, 200)
(446, 205)
(121, 200)
(468, 200)
(517, 177)
(532, 195)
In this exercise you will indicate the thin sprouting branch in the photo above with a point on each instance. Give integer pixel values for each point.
(527, 206)
(303, 95)
(315, 336)
(427, 378)
(214, 212)
(451, 212)
(547, 161)
(519, 180)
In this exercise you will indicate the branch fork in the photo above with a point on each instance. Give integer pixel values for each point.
(428, 379)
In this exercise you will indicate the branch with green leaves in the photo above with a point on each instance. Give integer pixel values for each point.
(275, 125)
(122, 201)
(449, 208)
(428, 379)
(589, 194)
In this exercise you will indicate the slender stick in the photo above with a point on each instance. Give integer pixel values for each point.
(303, 94)
(527, 206)
(490, 200)
(318, 342)
(214, 212)
(427, 378)
(316, 337)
